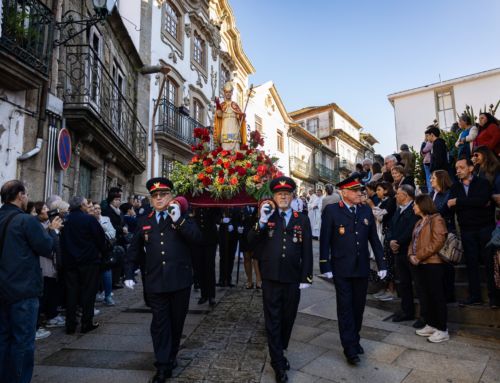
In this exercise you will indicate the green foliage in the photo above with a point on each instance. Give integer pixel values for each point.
(419, 173)
(451, 138)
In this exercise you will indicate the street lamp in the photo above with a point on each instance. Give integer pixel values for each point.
(72, 18)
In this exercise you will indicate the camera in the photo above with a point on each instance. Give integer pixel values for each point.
(53, 214)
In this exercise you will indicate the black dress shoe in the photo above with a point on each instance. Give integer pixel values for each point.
(287, 364)
(87, 328)
(360, 350)
(353, 360)
(418, 324)
(161, 376)
(211, 301)
(470, 302)
(202, 300)
(281, 376)
(401, 318)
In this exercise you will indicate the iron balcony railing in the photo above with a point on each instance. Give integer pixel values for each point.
(300, 166)
(27, 32)
(346, 164)
(175, 123)
(89, 85)
(327, 173)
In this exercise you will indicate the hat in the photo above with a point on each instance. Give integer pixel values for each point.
(282, 184)
(158, 184)
(351, 183)
(114, 192)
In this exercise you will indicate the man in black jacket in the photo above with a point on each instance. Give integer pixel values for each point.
(82, 243)
(470, 198)
(439, 153)
(228, 242)
(399, 236)
(285, 241)
(24, 241)
(162, 248)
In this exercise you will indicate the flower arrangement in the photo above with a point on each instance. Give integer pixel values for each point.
(224, 173)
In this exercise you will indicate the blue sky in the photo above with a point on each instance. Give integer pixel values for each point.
(355, 53)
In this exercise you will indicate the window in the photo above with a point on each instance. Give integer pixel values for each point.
(198, 111)
(85, 179)
(312, 126)
(240, 96)
(445, 106)
(280, 141)
(94, 66)
(258, 124)
(225, 76)
(172, 23)
(167, 165)
(198, 50)
(171, 90)
(118, 92)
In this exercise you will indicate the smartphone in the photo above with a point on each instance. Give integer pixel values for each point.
(53, 214)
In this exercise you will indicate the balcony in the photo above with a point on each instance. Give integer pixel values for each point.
(94, 103)
(302, 169)
(327, 174)
(346, 165)
(175, 127)
(25, 43)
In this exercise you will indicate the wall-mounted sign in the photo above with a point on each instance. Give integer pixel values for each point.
(64, 148)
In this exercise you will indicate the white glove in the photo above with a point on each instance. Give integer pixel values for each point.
(328, 275)
(240, 229)
(174, 211)
(129, 284)
(264, 217)
(230, 228)
(304, 286)
(382, 274)
(226, 220)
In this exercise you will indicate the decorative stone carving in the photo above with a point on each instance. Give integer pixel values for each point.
(188, 30)
(186, 99)
(174, 52)
(213, 81)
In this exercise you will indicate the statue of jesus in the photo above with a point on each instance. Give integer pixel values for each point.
(230, 125)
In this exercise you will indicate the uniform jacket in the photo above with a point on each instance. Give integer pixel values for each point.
(401, 228)
(82, 239)
(248, 219)
(344, 241)
(207, 219)
(285, 254)
(163, 253)
(430, 240)
(25, 241)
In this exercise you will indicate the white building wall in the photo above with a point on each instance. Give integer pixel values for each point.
(341, 123)
(414, 112)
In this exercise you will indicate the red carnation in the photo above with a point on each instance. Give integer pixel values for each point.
(224, 153)
(241, 171)
(208, 162)
(209, 170)
(227, 164)
(244, 147)
(231, 171)
(206, 181)
(239, 156)
(262, 169)
(201, 176)
(221, 180)
(219, 161)
(221, 173)
(234, 181)
(248, 165)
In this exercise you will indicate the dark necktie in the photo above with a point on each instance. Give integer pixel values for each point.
(162, 217)
(283, 216)
(353, 210)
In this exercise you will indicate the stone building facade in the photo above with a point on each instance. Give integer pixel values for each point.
(89, 84)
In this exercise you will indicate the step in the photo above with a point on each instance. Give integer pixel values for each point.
(471, 315)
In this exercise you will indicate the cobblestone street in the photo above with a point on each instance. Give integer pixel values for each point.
(228, 344)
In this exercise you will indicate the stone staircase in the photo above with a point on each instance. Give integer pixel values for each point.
(468, 316)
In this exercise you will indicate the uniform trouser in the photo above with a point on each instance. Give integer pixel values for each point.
(351, 299)
(207, 266)
(227, 250)
(430, 278)
(281, 301)
(169, 312)
(81, 283)
(405, 286)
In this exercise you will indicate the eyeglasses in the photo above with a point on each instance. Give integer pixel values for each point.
(475, 155)
(161, 194)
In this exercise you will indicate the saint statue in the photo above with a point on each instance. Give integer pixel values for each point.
(230, 125)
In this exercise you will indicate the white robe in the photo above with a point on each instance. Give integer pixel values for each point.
(315, 214)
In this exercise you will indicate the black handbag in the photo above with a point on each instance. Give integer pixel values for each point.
(113, 255)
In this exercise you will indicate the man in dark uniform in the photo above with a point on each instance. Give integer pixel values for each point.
(346, 229)
(228, 241)
(205, 252)
(286, 259)
(161, 246)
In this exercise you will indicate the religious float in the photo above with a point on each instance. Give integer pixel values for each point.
(236, 173)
